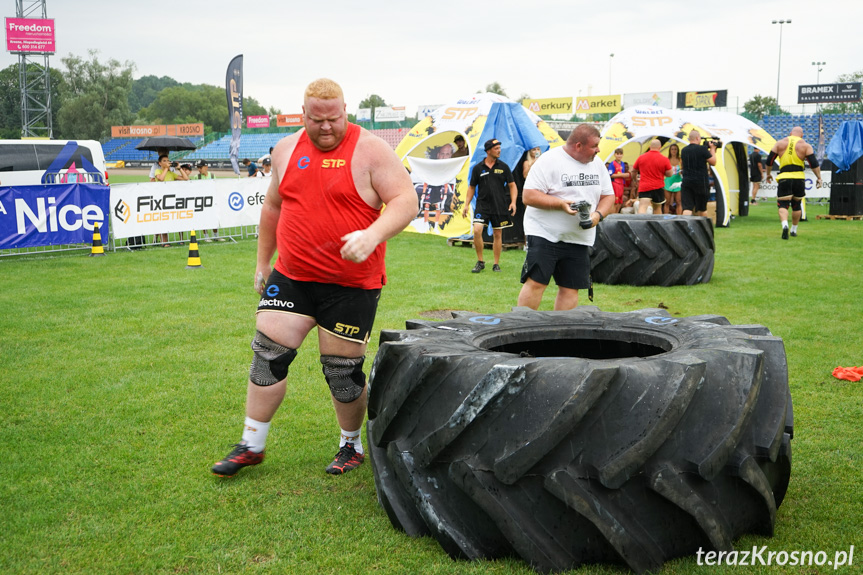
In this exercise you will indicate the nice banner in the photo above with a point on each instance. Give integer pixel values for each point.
(157, 207)
(34, 216)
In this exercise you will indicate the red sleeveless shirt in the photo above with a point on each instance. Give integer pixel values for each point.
(320, 204)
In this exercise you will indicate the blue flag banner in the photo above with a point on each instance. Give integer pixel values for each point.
(33, 216)
(234, 92)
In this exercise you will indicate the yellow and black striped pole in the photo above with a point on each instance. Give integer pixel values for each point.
(194, 257)
(97, 249)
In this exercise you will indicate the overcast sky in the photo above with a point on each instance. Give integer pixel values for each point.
(415, 54)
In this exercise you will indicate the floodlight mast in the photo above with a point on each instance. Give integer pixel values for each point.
(34, 79)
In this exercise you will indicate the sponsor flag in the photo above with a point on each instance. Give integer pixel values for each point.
(234, 92)
(819, 153)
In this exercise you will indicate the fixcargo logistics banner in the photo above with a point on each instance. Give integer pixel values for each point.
(32, 216)
(30, 36)
(545, 106)
(714, 99)
(598, 104)
(158, 207)
(289, 120)
(234, 93)
(185, 130)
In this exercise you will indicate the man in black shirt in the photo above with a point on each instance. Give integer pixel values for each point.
(490, 180)
(756, 173)
(695, 189)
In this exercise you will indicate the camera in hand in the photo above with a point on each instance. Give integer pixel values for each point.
(583, 209)
(716, 142)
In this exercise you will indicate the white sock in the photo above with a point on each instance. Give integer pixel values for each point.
(352, 437)
(255, 434)
(784, 224)
(794, 229)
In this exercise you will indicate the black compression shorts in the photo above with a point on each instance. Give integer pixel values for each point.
(345, 312)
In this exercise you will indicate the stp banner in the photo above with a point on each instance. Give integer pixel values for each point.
(161, 207)
(33, 216)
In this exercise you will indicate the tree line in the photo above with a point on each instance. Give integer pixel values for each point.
(89, 95)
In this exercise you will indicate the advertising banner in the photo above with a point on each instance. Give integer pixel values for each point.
(33, 216)
(364, 115)
(547, 106)
(426, 110)
(714, 99)
(390, 114)
(185, 130)
(234, 93)
(829, 93)
(664, 99)
(157, 207)
(30, 35)
(598, 104)
(289, 120)
(258, 122)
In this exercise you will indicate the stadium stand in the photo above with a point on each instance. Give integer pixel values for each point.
(124, 149)
(779, 126)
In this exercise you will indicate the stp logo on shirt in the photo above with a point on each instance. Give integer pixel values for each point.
(331, 163)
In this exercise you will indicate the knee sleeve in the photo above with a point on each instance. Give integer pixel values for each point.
(345, 376)
(784, 203)
(796, 205)
(270, 362)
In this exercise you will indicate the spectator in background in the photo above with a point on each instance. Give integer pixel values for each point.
(672, 183)
(461, 147)
(695, 189)
(267, 156)
(160, 152)
(530, 160)
(619, 173)
(251, 167)
(652, 167)
(266, 170)
(204, 174)
(164, 174)
(756, 173)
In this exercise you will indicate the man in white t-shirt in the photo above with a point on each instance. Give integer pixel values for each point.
(557, 246)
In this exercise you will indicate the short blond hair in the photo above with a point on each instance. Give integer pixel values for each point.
(324, 89)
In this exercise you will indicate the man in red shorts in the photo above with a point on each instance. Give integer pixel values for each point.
(323, 213)
(653, 168)
(618, 171)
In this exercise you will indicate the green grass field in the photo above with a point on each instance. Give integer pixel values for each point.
(123, 379)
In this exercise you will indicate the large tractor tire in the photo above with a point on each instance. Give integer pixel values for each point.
(652, 250)
(580, 437)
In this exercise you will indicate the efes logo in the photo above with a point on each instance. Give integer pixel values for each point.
(333, 163)
(235, 201)
(122, 211)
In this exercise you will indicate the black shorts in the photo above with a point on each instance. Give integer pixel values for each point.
(755, 177)
(656, 196)
(791, 189)
(345, 312)
(568, 264)
(497, 221)
(694, 195)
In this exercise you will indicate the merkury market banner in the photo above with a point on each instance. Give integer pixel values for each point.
(162, 207)
(50, 215)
